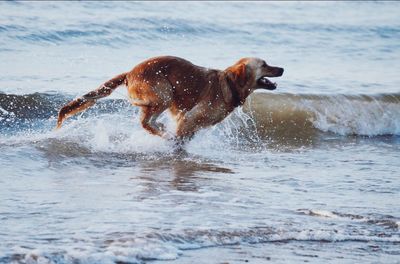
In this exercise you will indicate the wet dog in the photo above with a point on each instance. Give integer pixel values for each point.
(197, 97)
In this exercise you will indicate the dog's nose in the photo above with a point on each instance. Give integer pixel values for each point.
(280, 71)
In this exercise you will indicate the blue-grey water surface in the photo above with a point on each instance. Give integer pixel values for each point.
(307, 173)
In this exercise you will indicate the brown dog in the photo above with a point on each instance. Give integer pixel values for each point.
(197, 97)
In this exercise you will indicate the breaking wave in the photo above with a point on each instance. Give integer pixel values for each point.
(293, 115)
(272, 115)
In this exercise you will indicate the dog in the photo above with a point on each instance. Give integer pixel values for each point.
(197, 97)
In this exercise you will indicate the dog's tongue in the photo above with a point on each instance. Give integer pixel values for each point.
(265, 82)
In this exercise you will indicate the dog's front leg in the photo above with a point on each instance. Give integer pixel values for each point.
(192, 121)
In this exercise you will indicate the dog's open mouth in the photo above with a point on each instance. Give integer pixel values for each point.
(263, 82)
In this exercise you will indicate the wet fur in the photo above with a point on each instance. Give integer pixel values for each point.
(196, 96)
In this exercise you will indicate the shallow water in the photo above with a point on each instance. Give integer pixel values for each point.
(309, 172)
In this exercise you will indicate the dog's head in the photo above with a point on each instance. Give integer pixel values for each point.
(249, 74)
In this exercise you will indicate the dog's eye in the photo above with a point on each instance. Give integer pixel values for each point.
(264, 64)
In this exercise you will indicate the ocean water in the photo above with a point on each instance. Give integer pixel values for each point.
(307, 173)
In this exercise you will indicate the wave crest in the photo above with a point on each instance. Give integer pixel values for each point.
(302, 115)
(279, 118)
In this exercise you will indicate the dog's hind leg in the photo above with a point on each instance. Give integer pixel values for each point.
(154, 123)
(148, 120)
(138, 102)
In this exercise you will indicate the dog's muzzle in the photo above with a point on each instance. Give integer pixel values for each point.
(265, 83)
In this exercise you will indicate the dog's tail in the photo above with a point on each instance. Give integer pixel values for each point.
(89, 99)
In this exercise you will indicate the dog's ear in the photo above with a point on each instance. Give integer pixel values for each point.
(226, 93)
(240, 74)
(237, 77)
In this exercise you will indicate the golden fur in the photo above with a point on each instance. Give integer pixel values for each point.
(196, 96)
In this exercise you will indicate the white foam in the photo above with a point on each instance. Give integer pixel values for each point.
(348, 116)
(113, 133)
(324, 213)
(170, 246)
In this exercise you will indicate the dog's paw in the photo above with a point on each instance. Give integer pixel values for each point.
(160, 126)
(168, 136)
